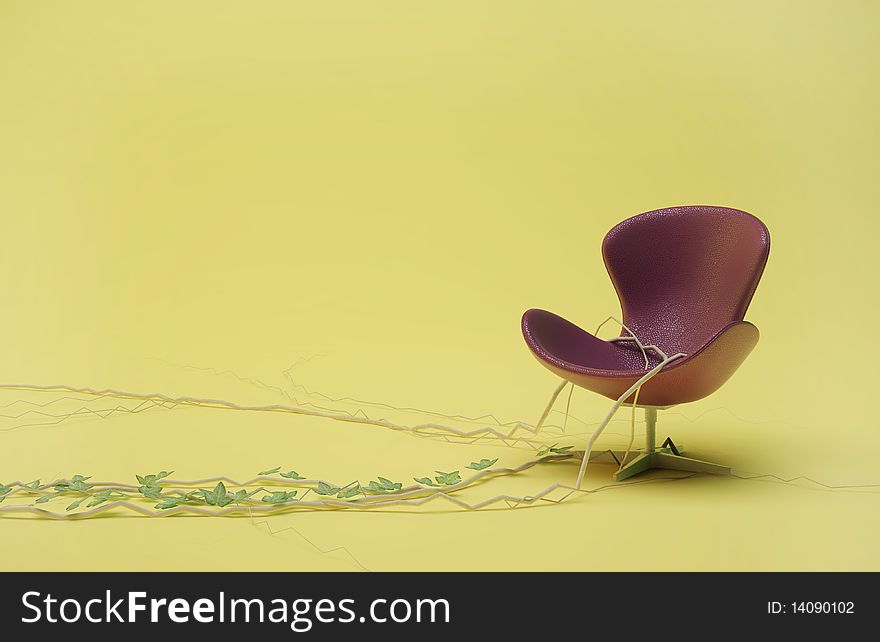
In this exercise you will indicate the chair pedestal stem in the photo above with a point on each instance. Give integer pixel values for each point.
(652, 458)
(650, 430)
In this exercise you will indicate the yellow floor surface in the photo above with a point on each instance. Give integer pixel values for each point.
(196, 198)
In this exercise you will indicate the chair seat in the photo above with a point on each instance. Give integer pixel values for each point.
(610, 368)
(560, 342)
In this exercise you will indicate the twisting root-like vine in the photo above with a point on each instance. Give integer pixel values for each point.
(509, 437)
(550, 403)
(637, 385)
(412, 495)
(120, 495)
(632, 428)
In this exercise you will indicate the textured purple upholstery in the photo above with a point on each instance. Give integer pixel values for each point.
(685, 277)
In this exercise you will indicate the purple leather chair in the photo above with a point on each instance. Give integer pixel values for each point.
(685, 277)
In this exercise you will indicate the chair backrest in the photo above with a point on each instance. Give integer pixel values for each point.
(683, 273)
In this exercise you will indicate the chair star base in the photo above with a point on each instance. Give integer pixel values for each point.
(668, 461)
(667, 457)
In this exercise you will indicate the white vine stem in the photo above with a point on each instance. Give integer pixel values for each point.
(635, 388)
(637, 385)
(221, 404)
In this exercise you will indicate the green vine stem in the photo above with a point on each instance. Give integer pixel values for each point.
(261, 493)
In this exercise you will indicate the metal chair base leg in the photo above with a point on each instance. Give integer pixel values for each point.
(668, 461)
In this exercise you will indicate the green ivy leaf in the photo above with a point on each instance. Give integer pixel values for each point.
(269, 472)
(387, 484)
(45, 498)
(351, 491)
(292, 475)
(174, 502)
(241, 495)
(324, 488)
(554, 450)
(150, 484)
(483, 464)
(152, 480)
(279, 497)
(220, 492)
(383, 486)
(152, 492)
(104, 496)
(171, 502)
(33, 485)
(217, 497)
(4, 491)
(427, 481)
(78, 483)
(76, 504)
(447, 479)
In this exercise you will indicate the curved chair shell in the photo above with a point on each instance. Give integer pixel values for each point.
(685, 277)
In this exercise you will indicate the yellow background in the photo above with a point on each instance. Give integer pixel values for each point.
(382, 188)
